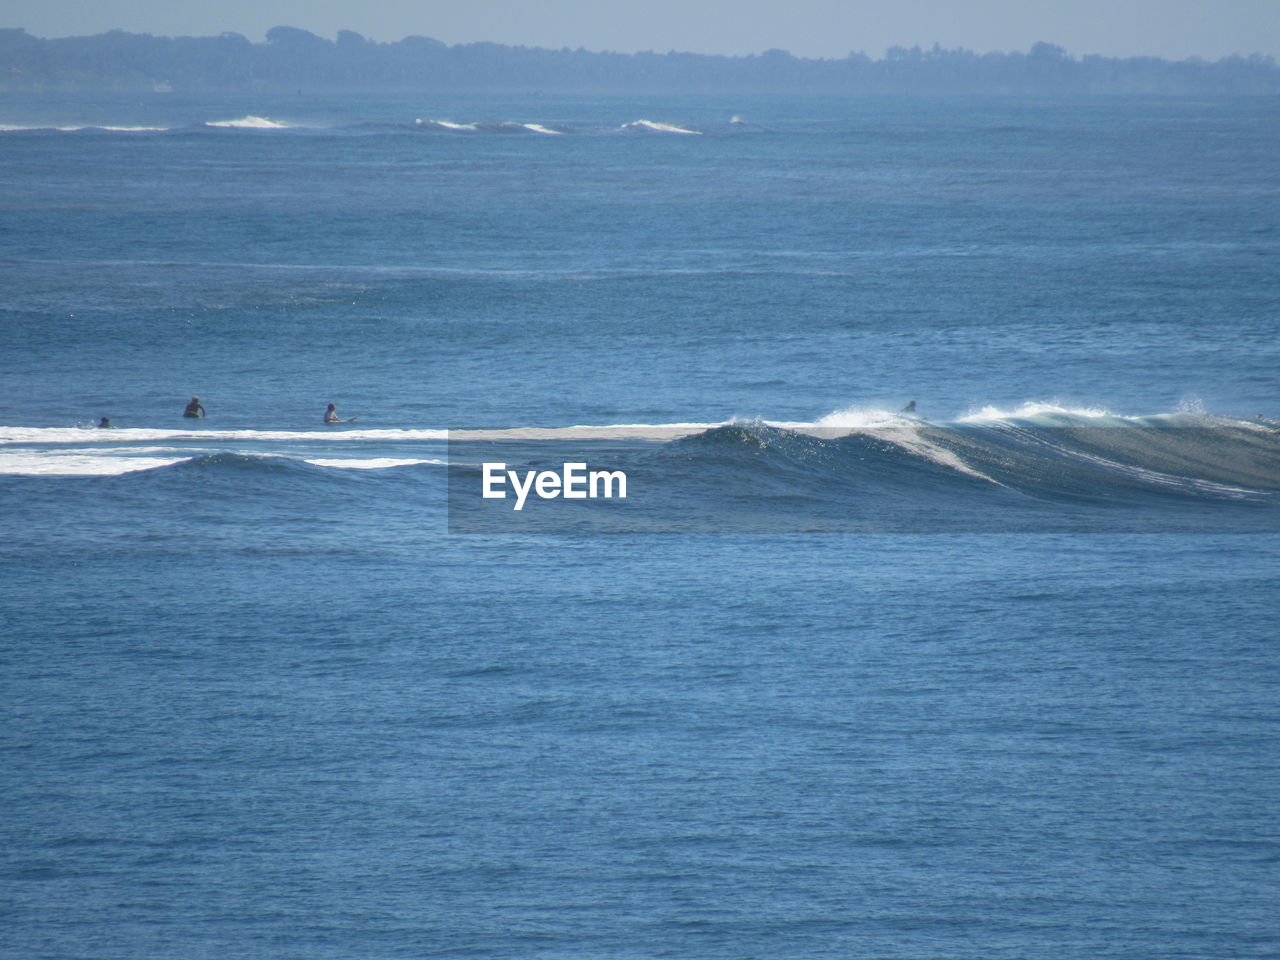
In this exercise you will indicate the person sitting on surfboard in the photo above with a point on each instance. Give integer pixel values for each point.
(194, 409)
(331, 414)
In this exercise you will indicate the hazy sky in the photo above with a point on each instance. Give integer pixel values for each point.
(812, 28)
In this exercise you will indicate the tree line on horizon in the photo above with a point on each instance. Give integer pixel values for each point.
(291, 59)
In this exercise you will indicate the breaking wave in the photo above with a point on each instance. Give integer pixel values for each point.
(1037, 467)
(651, 126)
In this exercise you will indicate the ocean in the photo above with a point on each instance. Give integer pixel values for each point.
(935, 614)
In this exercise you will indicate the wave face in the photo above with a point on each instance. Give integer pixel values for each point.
(1048, 473)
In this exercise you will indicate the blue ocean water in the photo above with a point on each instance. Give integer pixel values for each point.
(992, 678)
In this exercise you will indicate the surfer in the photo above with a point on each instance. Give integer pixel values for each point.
(331, 414)
(194, 409)
(910, 407)
(104, 424)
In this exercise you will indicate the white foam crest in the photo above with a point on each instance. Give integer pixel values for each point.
(250, 123)
(447, 124)
(1033, 409)
(376, 463)
(539, 128)
(34, 463)
(658, 127)
(862, 418)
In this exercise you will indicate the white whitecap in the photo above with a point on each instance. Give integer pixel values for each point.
(658, 127)
(250, 123)
(861, 418)
(446, 124)
(1032, 409)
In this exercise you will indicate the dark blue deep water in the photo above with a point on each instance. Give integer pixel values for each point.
(994, 678)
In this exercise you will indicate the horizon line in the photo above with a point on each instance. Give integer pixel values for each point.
(1051, 48)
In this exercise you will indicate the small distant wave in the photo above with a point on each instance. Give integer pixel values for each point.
(251, 123)
(450, 126)
(655, 127)
(421, 124)
(447, 125)
(17, 128)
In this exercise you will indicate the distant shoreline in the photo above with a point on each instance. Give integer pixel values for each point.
(294, 60)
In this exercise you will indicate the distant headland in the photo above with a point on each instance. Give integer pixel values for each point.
(291, 60)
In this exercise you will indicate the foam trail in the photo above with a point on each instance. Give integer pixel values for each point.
(142, 434)
(658, 127)
(41, 464)
(376, 463)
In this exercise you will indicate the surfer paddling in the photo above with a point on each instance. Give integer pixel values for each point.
(331, 415)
